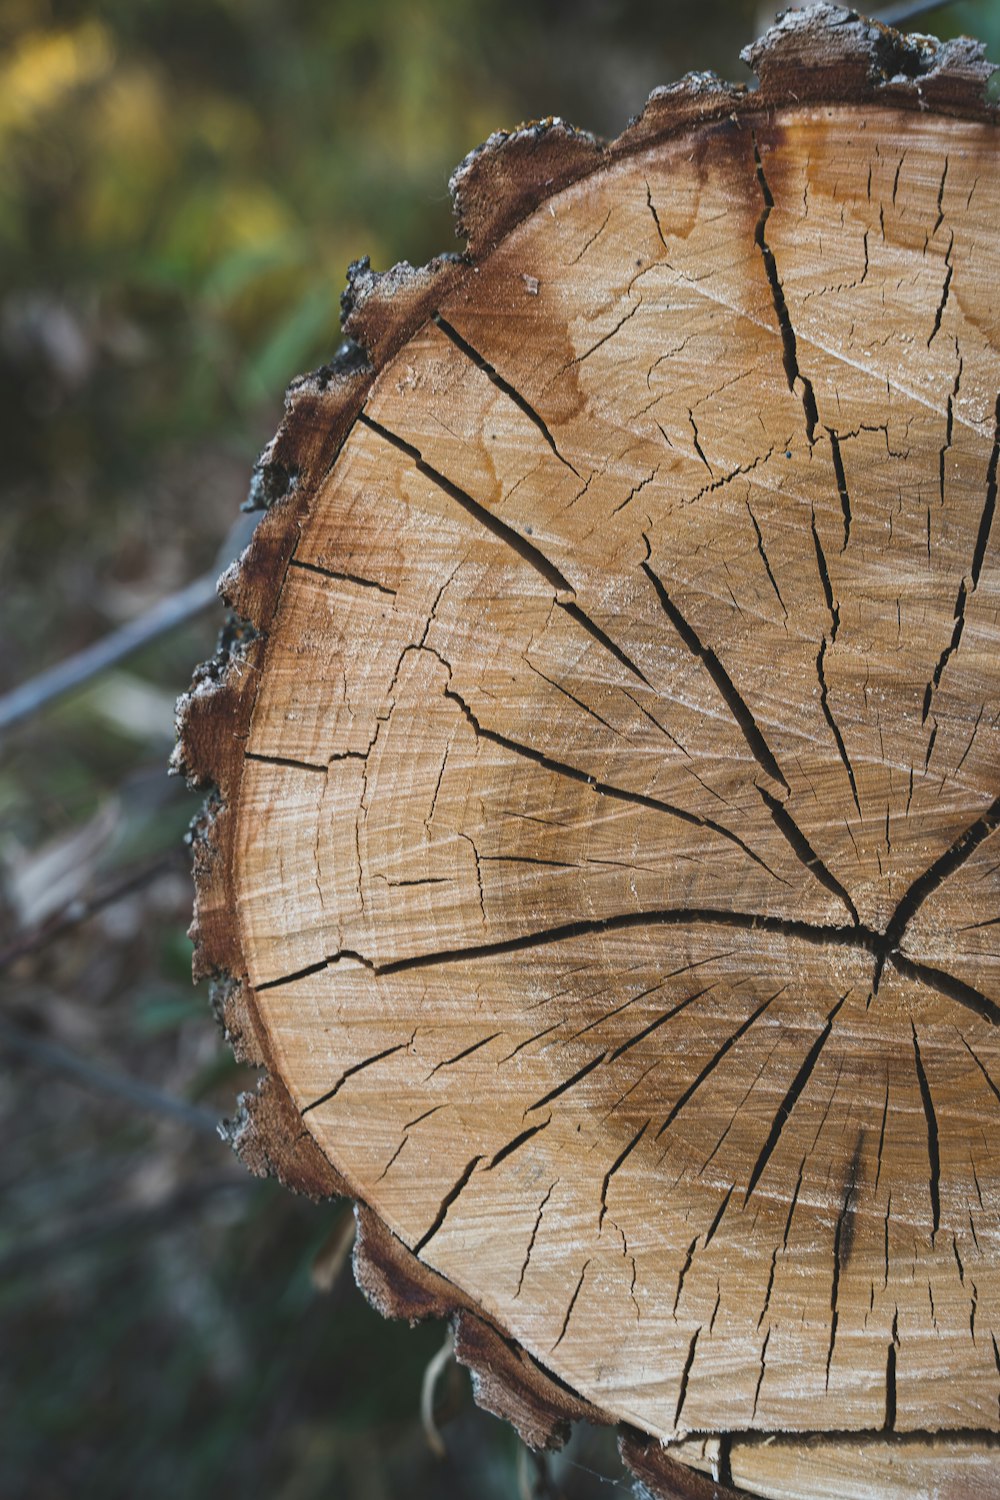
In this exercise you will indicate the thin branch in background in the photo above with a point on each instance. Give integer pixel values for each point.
(428, 1391)
(54, 1058)
(332, 1256)
(166, 615)
(77, 912)
(76, 671)
(900, 14)
(908, 10)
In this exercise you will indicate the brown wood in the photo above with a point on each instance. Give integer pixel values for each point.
(605, 844)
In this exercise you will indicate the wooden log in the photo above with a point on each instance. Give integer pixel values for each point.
(602, 857)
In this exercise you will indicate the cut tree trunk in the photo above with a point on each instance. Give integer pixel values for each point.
(604, 854)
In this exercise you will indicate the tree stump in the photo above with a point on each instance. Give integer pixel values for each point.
(604, 852)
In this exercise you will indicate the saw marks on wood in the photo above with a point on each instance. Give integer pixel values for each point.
(616, 855)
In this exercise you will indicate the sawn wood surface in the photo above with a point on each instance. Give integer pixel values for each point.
(610, 875)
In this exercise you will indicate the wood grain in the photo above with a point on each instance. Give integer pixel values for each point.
(610, 793)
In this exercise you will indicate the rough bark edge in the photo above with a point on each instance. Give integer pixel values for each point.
(824, 55)
(213, 717)
(505, 1379)
(828, 53)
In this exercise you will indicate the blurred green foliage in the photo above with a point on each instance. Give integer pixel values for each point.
(182, 184)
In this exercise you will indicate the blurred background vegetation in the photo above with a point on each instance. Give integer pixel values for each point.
(182, 184)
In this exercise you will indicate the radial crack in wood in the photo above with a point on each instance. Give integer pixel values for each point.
(605, 842)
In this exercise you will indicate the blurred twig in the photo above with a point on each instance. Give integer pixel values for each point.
(908, 10)
(428, 1391)
(55, 1058)
(331, 1258)
(76, 671)
(81, 911)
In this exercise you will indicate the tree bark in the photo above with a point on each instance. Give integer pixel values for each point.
(603, 856)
